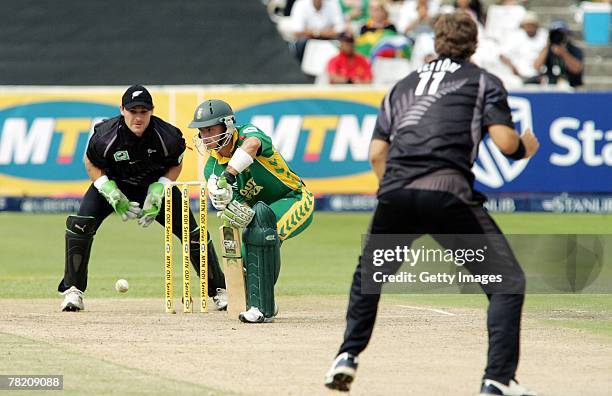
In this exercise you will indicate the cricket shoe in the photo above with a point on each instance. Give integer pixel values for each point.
(342, 372)
(220, 299)
(494, 388)
(73, 300)
(254, 315)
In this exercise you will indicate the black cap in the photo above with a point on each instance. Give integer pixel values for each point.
(137, 95)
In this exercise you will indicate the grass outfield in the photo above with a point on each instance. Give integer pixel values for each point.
(319, 262)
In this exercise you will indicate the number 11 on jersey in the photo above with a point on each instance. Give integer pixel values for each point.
(424, 78)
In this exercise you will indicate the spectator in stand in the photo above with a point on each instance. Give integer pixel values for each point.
(411, 15)
(560, 62)
(355, 11)
(379, 18)
(377, 28)
(524, 47)
(421, 24)
(472, 7)
(315, 19)
(349, 67)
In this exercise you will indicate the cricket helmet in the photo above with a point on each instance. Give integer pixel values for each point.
(213, 112)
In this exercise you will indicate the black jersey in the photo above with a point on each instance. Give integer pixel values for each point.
(132, 160)
(435, 118)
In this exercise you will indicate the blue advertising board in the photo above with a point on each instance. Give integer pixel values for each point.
(575, 135)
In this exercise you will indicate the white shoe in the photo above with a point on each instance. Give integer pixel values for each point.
(342, 372)
(73, 300)
(253, 315)
(494, 388)
(220, 299)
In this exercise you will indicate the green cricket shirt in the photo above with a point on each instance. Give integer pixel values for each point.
(267, 179)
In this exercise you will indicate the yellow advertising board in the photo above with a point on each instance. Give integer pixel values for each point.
(323, 133)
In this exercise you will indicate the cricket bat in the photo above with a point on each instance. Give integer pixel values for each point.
(231, 246)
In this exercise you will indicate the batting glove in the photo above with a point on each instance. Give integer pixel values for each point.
(122, 206)
(219, 196)
(152, 204)
(237, 214)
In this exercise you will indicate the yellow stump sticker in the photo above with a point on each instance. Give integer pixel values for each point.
(203, 250)
(185, 235)
(168, 249)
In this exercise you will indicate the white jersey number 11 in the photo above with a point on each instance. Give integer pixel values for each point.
(425, 77)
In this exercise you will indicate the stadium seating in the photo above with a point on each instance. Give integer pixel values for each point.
(390, 70)
(316, 56)
(501, 21)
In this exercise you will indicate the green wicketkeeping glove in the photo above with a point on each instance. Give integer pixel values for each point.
(237, 214)
(152, 204)
(122, 206)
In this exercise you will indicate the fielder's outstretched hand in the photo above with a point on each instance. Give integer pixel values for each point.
(152, 204)
(122, 206)
(237, 214)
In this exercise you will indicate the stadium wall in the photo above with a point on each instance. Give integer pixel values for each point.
(117, 42)
(322, 132)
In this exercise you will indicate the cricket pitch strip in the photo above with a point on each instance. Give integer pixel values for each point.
(130, 346)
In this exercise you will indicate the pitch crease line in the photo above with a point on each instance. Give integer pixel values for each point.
(428, 309)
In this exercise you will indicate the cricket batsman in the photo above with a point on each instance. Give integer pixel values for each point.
(259, 194)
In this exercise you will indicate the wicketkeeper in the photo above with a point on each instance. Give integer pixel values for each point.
(129, 160)
(263, 196)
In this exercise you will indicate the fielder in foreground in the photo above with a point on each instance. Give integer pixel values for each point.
(262, 195)
(423, 147)
(129, 159)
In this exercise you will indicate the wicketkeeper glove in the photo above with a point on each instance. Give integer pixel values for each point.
(152, 204)
(122, 206)
(237, 214)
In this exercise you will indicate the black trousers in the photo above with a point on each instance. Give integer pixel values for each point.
(412, 211)
(96, 206)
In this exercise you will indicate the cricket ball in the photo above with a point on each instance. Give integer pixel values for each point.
(122, 286)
